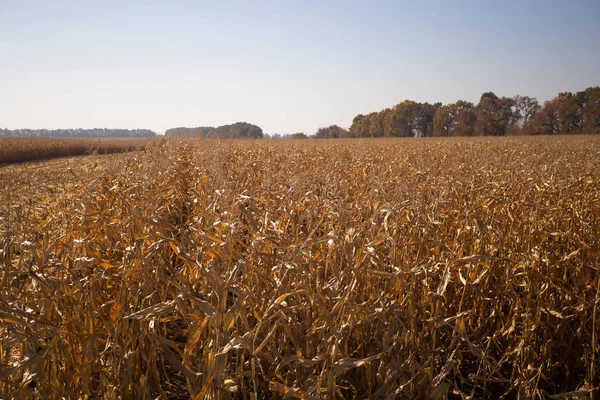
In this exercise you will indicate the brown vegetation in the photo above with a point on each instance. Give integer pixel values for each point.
(20, 149)
(310, 269)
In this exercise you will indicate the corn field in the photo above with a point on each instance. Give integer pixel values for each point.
(20, 149)
(436, 268)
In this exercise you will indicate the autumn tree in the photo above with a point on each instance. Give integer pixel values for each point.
(493, 115)
(465, 122)
(525, 109)
(448, 117)
(332, 132)
(401, 120)
(357, 127)
(374, 125)
(370, 125)
(588, 104)
(546, 121)
(559, 115)
(423, 123)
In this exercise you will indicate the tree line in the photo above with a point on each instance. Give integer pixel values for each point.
(96, 133)
(285, 136)
(567, 113)
(233, 131)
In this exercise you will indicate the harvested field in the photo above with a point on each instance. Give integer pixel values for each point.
(435, 268)
(21, 149)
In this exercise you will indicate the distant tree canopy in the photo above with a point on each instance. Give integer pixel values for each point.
(332, 132)
(285, 136)
(298, 135)
(96, 132)
(406, 119)
(455, 119)
(190, 132)
(567, 113)
(233, 131)
(570, 113)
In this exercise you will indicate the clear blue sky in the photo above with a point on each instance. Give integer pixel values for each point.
(287, 66)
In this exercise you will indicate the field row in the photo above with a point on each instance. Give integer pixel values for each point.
(13, 150)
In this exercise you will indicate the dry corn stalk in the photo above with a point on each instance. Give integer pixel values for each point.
(348, 269)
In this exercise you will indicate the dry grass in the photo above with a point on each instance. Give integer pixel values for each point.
(21, 149)
(463, 268)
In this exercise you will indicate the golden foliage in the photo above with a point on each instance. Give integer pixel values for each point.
(302, 269)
